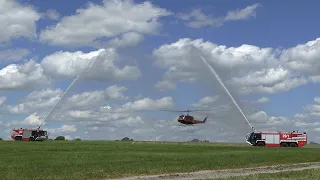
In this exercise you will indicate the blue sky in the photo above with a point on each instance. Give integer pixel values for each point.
(288, 93)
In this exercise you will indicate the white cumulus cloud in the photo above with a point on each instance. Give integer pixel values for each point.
(13, 55)
(197, 18)
(242, 14)
(96, 65)
(89, 25)
(244, 69)
(22, 76)
(17, 20)
(263, 100)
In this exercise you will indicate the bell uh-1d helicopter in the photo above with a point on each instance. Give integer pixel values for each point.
(188, 119)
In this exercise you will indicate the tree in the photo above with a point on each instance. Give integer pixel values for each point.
(77, 139)
(126, 139)
(1, 139)
(60, 138)
(197, 140)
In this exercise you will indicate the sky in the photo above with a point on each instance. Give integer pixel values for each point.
(136, 58)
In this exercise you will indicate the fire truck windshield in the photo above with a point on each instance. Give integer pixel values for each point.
(43, 133)
(250, 138)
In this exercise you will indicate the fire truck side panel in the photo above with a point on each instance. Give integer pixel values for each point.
(26, 134)
(298, 138)
(269, 139)
(276, 139)
(272, 140)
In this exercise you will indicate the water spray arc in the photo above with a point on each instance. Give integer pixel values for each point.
(72, 83)
(45, 118)
(220, 81)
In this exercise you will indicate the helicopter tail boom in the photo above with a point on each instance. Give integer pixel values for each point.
(205, 119)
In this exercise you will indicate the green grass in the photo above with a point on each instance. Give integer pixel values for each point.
(309, 174)
(102, 159)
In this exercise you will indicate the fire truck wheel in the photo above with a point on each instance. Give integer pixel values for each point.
(18, 138)
(293, 145)
(284, 145)
(260, 144)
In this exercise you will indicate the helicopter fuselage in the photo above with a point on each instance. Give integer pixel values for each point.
(189, 120)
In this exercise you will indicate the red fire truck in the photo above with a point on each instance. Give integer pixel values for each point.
(277, 139)
(29, 135)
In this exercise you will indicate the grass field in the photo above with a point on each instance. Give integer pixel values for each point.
(105, 159)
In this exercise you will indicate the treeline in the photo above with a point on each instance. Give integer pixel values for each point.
(62, 138)
(197, 140)
(125, 139)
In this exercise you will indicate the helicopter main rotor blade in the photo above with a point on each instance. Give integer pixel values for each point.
(194, 110)
(123, 110)
(154, 110)
(130, 110)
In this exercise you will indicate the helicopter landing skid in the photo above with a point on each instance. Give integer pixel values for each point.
(185, 125)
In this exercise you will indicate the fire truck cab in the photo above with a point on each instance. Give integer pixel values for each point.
(277, 139)
(29, 135)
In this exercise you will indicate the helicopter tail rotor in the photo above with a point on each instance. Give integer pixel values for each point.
(205, 119)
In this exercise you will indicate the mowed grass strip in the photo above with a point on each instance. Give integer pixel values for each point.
(106, 159)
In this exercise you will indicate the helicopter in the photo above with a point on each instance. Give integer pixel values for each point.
(183, 119)
(188, 119)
